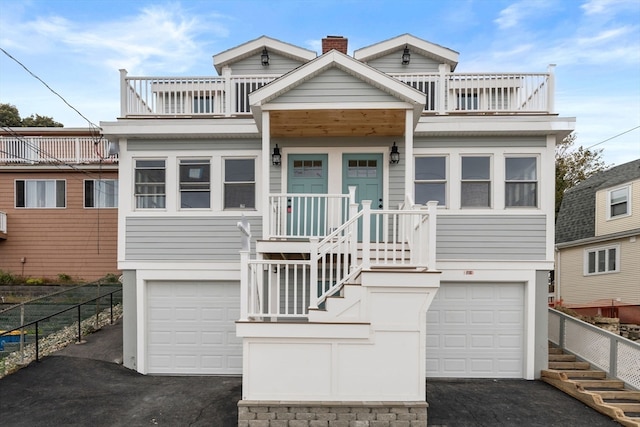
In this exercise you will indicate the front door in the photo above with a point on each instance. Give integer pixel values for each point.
(307, 174)
(364, 171)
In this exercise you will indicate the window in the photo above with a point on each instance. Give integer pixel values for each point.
(476, 182)
(101, 193)
(431, 180)
(602, 260)
(362, 168)
(150, 184)
(195, 187)
(521, 182)
(45, 193)
(239, 184)
(618, 202)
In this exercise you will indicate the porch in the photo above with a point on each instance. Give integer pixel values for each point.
(445, 93)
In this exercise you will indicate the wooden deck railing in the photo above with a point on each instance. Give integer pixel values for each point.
(445, 93)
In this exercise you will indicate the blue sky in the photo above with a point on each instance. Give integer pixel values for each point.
(77, 47)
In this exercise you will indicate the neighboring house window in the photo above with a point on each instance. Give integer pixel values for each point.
(602, 260)
(476, 182)
(101, 193)
(36, 193)
(195, 184)
(239, 184)
(150, 184)
(521, 182)
(618, 202)
(431, 179)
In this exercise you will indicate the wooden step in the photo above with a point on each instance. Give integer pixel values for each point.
(569, 365)
(600, 384)
(555, 350)
(622, 394)
(588, 373)
(562, 358)
(625, 406)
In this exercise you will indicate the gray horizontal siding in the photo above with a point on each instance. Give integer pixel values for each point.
(186, 239)
(252, 65)
(392, 63)
(491, 237)
(469, 142)
(193, 144)
(334, 85)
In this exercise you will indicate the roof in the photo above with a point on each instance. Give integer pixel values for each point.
(576, 218)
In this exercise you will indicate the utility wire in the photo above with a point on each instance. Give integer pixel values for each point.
(91, 124)
(615, 136)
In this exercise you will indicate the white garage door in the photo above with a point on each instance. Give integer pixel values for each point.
(191, 328)
(476, 330)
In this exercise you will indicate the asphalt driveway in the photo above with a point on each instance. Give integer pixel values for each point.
(84, 385)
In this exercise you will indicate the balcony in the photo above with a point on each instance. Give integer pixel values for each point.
(21, 150)
(445, 93)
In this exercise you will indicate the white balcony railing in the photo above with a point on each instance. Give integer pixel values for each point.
(369, 238)
(446, 93)
(618, 356)
(54, 149)
(3, 222)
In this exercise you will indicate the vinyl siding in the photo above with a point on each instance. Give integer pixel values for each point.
(181, 238)
(484, 142)
(193, 144)
(252, 65)
(72, 240)
(392, 63)
(491, 237)
(606, 226)
(334, 86)
(576, 288)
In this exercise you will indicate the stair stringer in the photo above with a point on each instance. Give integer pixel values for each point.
(346, 308)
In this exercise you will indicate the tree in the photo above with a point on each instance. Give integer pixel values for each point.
(10, 117)
(574, 166)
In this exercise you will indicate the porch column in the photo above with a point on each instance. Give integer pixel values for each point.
(408, 148)
(266, 168)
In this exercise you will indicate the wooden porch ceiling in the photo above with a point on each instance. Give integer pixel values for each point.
(314, 123)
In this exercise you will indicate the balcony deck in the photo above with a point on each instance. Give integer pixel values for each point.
(30, 150)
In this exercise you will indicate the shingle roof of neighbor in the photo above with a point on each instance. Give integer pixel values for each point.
(576, 218)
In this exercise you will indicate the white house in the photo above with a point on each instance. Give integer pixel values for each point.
(330, 161)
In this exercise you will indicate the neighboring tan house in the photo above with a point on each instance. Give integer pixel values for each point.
(598, 245)
(330, 161)
(58, 203)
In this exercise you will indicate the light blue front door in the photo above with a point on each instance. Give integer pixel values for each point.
(364, 171)
(307, 174)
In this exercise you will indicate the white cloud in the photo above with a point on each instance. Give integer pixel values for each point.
(607, 7)
(514, 14)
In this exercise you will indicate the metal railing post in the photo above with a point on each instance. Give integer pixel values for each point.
(37, 345)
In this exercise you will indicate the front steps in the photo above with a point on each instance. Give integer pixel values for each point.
(593, 388)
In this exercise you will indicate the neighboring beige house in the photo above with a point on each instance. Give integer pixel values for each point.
(598, 245)
(58, 203)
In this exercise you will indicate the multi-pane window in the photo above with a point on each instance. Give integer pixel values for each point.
(239, 184)
(101, 193)
(601, 260)
(362, 169)
(476, 182)
(40, 193)
(195, 184)
(431, 180)
(150, 184)
(618, 202)
(521, 182)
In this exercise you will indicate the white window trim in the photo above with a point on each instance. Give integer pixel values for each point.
(223, 183)
(447, 177)
(179, 207)
(15, 183)
(608, 207)
(84, 194)
(490, 180)
(585, 263)
(166, 184)
(537, 180)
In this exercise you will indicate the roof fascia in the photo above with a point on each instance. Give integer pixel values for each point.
(249, 48)
(598, 239)
(423, 47)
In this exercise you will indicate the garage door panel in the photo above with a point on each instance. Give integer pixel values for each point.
(476, 331)
(191, 328)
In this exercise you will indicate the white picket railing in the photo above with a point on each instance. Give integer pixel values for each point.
(369, 238)
(616, 355)
(3, 222)
(54, 149)
(446, 93)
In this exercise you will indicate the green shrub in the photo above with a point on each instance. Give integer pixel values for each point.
(111, 278)
(7, 278)
(64, 278)
(34, 281)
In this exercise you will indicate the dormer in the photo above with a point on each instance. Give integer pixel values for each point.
(263, 55)
(407, 54)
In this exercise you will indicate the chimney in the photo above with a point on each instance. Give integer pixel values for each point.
(338, 43)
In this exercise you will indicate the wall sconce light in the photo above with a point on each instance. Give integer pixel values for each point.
(394, 157)
(406, 56)
(265, 57)
(276, 157)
